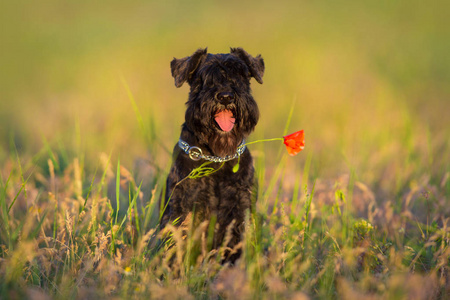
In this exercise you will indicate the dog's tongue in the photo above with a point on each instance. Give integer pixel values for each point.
(225, 120)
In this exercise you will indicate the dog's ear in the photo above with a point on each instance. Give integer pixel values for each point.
(254, 64)
(183, 68)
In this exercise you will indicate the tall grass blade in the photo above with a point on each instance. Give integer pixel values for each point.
(38, 226)
(306, 169)
(15, 197)
(105, 171)
(308, 208)
(51, 154)
(4, 212)
(133, 104)
(273, 181)
(295, 197)
(4, 187)
(289, 118)
(117, 191)
(132, 204)
(90, 189)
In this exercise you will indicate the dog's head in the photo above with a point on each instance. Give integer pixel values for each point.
(221, 111)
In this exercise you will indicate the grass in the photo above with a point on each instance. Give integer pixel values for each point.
(65, 233)
(89, 116)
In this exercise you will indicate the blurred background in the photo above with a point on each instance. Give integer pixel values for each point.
(369, 80)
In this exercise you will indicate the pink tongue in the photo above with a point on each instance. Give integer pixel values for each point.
(225, 120)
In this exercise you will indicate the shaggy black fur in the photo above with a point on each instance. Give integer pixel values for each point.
(217, 82)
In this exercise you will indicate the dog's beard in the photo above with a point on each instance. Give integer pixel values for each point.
(224, 144)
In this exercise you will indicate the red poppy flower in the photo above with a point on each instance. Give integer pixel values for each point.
(295, 142)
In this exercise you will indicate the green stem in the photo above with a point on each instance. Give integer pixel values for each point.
(265, 140)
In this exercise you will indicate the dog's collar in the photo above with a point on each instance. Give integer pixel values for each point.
(195, 153)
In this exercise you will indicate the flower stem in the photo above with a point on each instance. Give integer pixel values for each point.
(264, 140)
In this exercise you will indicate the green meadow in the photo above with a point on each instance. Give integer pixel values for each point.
(89, 115)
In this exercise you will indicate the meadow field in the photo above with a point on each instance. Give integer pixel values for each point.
(89, 115)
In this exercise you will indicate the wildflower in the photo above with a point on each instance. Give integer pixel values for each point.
(295, 142)
(127, 271)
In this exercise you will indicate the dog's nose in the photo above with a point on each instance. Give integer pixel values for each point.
(225, 97)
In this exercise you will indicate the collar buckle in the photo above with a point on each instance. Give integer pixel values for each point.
(195, 153)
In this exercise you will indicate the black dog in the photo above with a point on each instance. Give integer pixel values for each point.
(221, 113)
